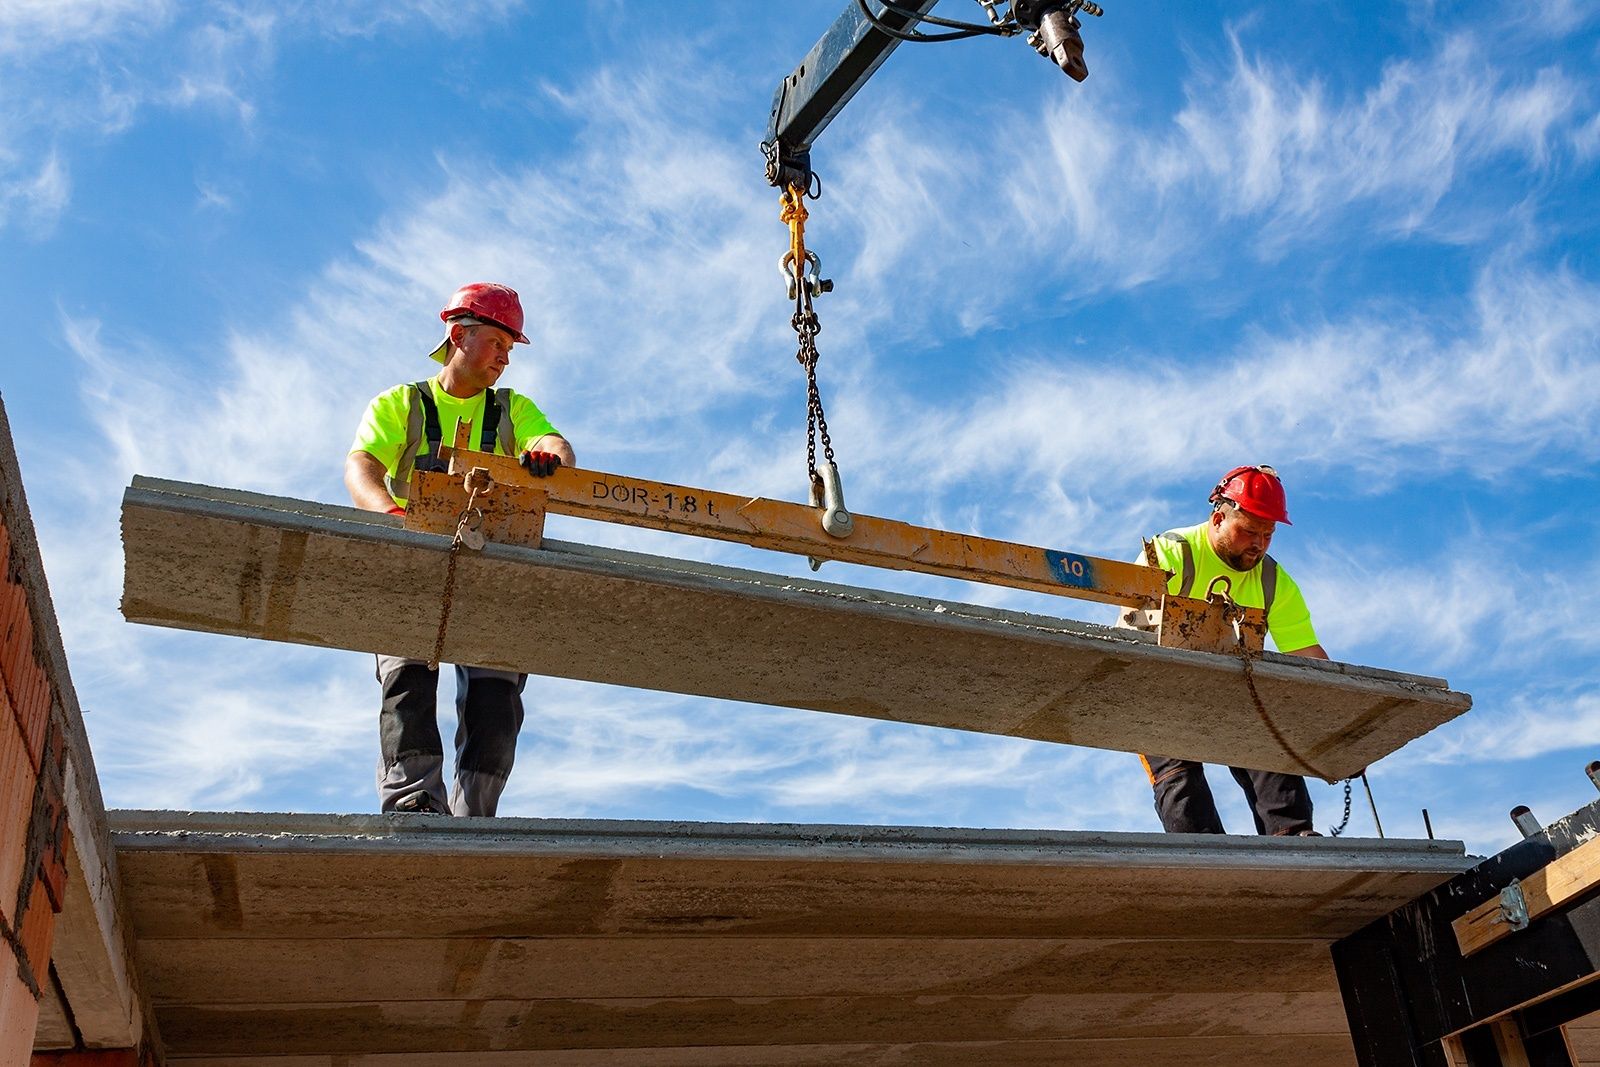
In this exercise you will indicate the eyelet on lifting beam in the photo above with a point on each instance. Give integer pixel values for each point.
(836, 521)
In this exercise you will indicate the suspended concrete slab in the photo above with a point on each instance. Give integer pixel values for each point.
(409, 940)
(230, 562)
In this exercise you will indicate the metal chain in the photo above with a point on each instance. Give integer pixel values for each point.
(1235, 615)
(477, 482)
(802, 270)
(1335, 831)
(806, 328)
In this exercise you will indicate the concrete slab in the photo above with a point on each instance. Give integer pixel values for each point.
(408, 939)
(229, 562)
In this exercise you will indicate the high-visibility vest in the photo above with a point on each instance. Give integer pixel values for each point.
(1147, 619)
(1268, 565)
(424, 434)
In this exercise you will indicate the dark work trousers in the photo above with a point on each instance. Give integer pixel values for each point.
(1280, 803)
(411, 768)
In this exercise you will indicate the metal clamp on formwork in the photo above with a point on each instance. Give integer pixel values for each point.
(1212, 624)
(1513, 907)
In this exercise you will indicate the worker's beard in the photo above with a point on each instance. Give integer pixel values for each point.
(1237, 560)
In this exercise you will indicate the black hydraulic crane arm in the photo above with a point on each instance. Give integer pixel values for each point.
(862, 37)
(838, 64)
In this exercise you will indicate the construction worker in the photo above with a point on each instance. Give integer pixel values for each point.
(401, 432)
(1246, 506)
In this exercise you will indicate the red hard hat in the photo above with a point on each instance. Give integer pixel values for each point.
(490, 302)
(1255, 489)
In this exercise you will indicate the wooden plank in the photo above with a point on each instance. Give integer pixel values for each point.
(517, 496)
(1209, 1050)
(290, 970)
(183, 895)
(1566, 879)
(456, 1026)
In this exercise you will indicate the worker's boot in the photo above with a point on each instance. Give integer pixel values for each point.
(419, 803)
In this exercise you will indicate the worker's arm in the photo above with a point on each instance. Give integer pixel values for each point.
(364, 478)
(554, 442)
(1310, 652)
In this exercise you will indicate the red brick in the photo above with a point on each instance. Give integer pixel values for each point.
(53, 865)
(19, 657)
(18, 652)
(32, 715)
(19, 1012)
(16, 805)
(12, 610)
(38, 928)
(36, 693)
(12, 600)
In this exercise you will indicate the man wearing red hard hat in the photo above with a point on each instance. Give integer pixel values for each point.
(1246, 506)
(401, 432)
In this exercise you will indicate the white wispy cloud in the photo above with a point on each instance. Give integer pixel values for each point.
(1378, 393)
(201, 730)
(1586, 138)
(41, 26)
(1076, 196)
(83, 70)
(37, 198)
(1539, 721)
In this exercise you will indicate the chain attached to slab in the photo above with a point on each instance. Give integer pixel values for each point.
(1336, 831)
(1235, 616)
(468, 534)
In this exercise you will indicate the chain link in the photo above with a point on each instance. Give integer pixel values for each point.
(477, 482)
(1235, 615)
(1335, 831)
(806, 328)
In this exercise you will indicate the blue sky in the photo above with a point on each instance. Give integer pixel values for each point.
(1359, 243)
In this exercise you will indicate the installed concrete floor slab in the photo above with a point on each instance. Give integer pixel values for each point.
(238, 563)
(400, 940)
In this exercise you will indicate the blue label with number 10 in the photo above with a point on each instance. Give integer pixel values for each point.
(1069, 569)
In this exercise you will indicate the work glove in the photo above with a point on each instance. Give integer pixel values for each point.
(540, 464)
(397, 510)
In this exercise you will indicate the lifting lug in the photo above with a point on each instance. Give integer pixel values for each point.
(836, 521)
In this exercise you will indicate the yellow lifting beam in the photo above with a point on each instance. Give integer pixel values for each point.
(509, 507)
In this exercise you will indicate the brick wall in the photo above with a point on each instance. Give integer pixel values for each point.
(33, 824)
